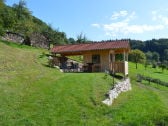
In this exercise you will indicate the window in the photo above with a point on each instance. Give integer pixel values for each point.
(96, 58)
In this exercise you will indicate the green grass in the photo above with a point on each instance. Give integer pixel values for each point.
(33, 94)
(150, 72)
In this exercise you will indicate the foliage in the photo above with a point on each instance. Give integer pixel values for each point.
(163, 67)
(155, 56)
(81, 38)
(21, 11)
(154, 45)
(1, 4)
(2, 32)
(137, 44)
(149, 56)
(152, 58)
(154, 64)
(137, 56)
(71, 41)
(166, 54)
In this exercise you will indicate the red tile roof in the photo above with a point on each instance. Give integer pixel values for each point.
(91, 46)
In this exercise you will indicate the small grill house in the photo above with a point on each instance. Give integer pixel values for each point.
(97, 56)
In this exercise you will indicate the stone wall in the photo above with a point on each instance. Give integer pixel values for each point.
(38, 40)
(118, 88)
(14, 37)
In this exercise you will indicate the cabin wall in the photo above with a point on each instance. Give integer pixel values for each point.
(104, 57)
(104, 60)
(87, 58)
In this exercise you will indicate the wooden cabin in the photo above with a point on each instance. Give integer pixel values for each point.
(98, 56)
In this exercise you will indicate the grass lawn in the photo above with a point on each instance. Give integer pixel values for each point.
(150, 72)
(33, 94)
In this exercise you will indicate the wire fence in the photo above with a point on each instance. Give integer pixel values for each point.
(140, 78)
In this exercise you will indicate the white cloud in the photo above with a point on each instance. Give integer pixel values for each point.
(130, 17)
(160, 17)
(164, 19)
(126, 26)
(119, 14)
(96, 25)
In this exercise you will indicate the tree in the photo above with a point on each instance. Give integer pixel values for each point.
(81, 38)
(137, 56)
(71, 41)
(1, 4)
(163, 66)
(154, 45)
(166, 54)
(8, 17)
(149, 56)
(155, 56)
(21, 11)
(1, 31)
(147, 63)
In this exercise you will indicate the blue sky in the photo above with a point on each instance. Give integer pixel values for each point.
(104, 19)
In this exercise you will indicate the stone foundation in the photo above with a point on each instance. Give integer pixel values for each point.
(118, 88)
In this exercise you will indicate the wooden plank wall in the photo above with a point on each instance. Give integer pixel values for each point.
(104, 59)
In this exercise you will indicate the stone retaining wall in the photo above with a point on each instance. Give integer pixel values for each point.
(39, 40)
(14, 37)
(118, 88)
(35, 39)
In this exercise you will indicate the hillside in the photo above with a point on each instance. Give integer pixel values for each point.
(19, 20)
(31, 93)
(159, 46)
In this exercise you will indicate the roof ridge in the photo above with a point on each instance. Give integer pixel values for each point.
(110, 41)
(97, 42)
(94, 42)
(92, 46)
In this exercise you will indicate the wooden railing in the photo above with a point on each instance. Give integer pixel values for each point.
(119, 67)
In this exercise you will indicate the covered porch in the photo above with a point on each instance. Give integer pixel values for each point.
(95, 60)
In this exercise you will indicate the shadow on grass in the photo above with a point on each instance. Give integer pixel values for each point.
(17, 44)
(46, 65)
(13, 44)
(120, 77)
(158, 72)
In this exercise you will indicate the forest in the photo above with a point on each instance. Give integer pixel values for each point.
(155, 49)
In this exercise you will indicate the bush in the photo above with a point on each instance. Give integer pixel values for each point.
(1, 31)
(154, 65)
(163, 67)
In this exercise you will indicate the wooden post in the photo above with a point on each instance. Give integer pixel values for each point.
(124, 58)
(127, 56)
(113, 67)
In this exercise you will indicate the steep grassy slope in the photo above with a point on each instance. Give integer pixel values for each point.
(33, 94)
